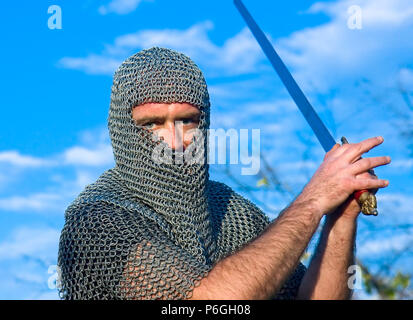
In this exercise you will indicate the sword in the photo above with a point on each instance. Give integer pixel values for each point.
(366, 199)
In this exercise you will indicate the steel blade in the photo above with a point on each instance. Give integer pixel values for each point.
(323, 135)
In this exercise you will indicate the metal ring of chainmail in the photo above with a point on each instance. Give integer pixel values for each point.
(150, 230)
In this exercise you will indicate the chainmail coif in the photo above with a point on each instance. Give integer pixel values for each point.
(150, 230)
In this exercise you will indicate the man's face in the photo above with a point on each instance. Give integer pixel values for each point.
(174, 122)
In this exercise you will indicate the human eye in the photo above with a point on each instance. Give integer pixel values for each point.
(190, 121)
(187, 121)
(150, 124)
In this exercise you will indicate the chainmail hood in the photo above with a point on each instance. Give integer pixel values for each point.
(174, 190)
(148, 229)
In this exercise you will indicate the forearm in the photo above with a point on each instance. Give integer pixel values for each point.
(327, 276)
(258, 270)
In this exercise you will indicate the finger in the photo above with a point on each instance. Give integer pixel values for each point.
(365, 175)
(338, 150)
(355, 151)
(363, 165)
(335, 147)
(367, 184)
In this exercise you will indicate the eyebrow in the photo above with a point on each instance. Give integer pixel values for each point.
(190, 114)
(156, 117)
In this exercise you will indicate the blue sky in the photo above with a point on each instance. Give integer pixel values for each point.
(56, 90)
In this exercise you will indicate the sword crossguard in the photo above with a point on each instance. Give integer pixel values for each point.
(366, 199)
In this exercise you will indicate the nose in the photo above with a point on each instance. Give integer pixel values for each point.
(172, 134)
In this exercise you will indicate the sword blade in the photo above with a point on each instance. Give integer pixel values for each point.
(323, 135)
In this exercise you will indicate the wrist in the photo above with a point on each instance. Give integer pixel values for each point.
(339, 222)
(346, 213)
(309, 206)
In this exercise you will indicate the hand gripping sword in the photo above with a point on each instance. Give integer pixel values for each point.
(365, 198)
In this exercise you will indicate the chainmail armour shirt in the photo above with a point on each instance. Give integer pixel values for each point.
(153, 229)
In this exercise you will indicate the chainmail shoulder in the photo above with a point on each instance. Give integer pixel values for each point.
(236, 219)
(113, 247)
(255, 221)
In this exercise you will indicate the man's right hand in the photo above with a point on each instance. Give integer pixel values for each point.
(336, 178)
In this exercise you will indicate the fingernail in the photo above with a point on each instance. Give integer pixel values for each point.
(380, 138)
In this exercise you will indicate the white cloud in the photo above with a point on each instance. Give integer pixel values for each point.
(65, 174)
(312, 53)
(382, 246)
(193, 40)
(331, 54)
(93, 64)
(406, 79)
(251, 114)
(402, 201)
(298, 165)
(34, 202)
(14, 158)
(377, 12)
(27, 241)
(119, 6)
(239, 54)
(98, 156)
(83, 178)
(402, 164)
(25, 257)
(57, 197)
(95, 156)
(94, 150)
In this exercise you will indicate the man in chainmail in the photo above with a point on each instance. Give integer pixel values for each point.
(152, 229)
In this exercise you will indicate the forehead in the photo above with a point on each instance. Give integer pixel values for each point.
(164, 109)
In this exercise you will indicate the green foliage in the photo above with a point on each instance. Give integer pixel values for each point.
(263, 182)
(401, 280)
(388, 288)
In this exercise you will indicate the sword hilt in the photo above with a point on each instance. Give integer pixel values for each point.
(366, 199)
